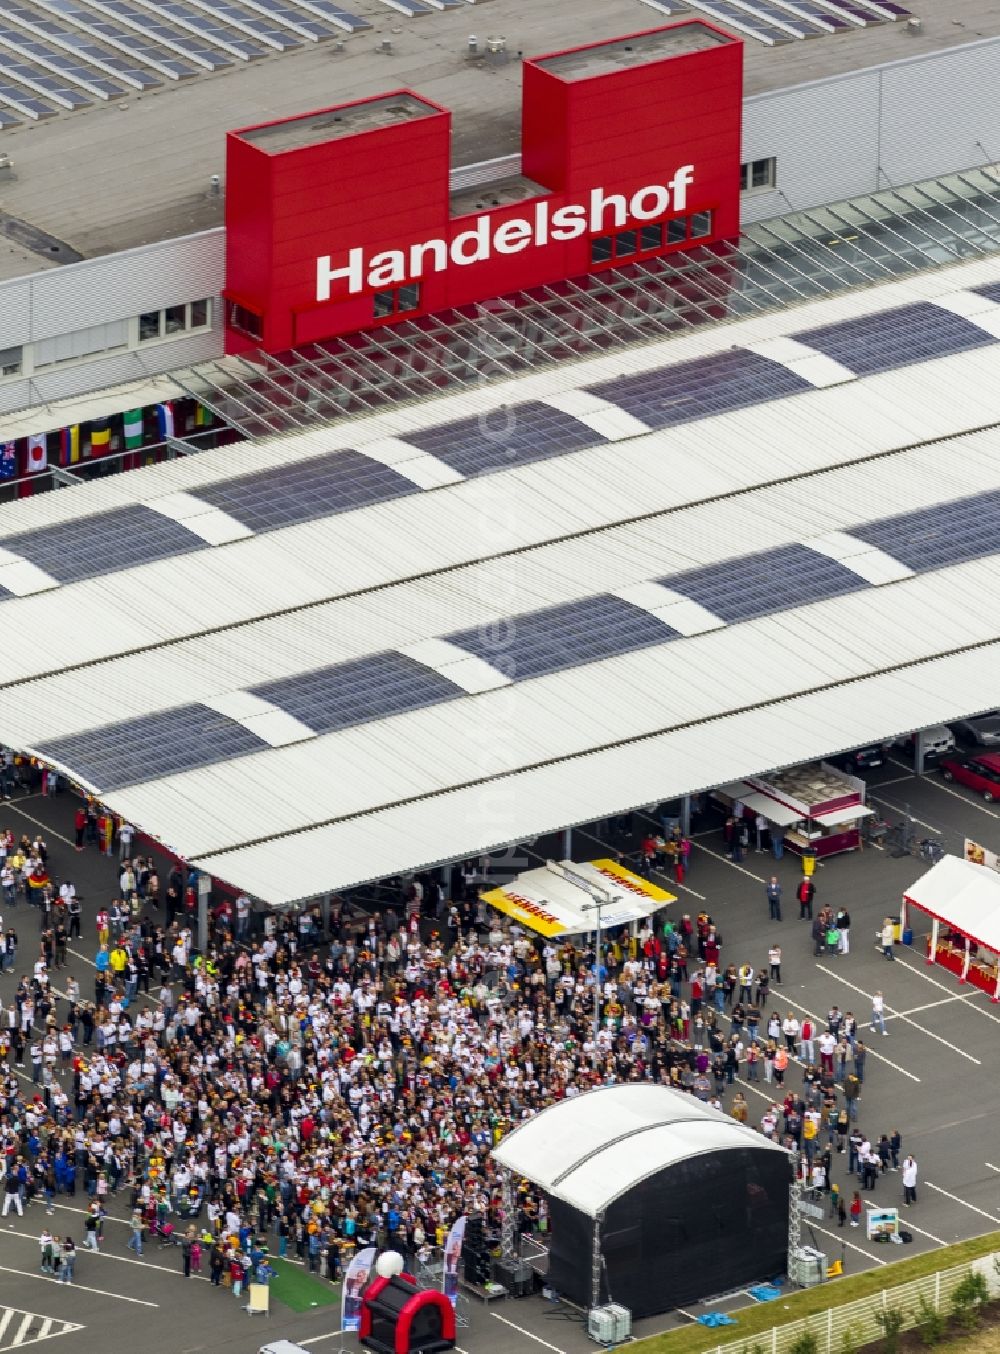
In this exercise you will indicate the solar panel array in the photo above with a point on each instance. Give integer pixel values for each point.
(126, 753)
(345, 694)
(96, 545)
(761, 584)
(60, 55)
(774, 22)
(504, 438)
(685, 391)
(991, 291)
(933, 538)
(541, 642)
(895, 338)
(306, 490)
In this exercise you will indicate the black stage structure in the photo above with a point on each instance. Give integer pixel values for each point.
(656, 1200)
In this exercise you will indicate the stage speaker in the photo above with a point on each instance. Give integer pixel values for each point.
(478, 1265)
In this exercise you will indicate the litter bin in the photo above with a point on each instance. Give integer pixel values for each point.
(907, 937)
(808, 862)
(897, 929)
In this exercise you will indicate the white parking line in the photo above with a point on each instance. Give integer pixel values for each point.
(964, 799)
(896, 780)
(911, 1226)
(850, 1244)
(49, 831)
(315, 1339)
(964, 1202)
(731, 863)
(821, 1020)
(898, 1015)
(521, 1331)
(973, 1004)
(101, 1292)
(930, 1005)
(992, 1167)
(881, 799)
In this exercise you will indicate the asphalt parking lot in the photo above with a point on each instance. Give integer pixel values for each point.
(932, 1078)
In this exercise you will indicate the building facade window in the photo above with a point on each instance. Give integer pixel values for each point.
(79, 343)
(397, 301)
(183, 319)
(11, 360)
(758, 176)
(627, 245)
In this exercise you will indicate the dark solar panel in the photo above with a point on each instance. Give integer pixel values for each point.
(717, 384)
(991, 291)
(759, 585)
(353, 693)
(504, 438)
(97, 545)
(305, 490)
(895, 338)
(585, 631)
(137, 750)
(932, 538)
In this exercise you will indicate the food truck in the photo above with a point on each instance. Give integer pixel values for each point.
(815, 807)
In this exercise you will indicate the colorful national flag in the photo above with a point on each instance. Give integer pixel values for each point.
(202, 416)
(8, 461)
(165, 419)
(100, 438)
(69, 451)
(132, 422)
(38, 454)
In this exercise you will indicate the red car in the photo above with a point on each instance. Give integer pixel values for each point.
(978, 773)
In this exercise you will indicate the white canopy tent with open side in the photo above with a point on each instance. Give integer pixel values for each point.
(965, 897)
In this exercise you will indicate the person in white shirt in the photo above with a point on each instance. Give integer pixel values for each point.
(878, 1013)
(909, 1181)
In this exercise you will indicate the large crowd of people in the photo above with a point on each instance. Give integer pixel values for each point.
(314, 1083)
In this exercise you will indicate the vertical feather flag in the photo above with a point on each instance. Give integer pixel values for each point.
(8, 461)
(38, 454)
(202, 416)
(69, 452)
(165, 419)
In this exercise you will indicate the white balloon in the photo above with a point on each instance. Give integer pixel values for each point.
(389, 1264)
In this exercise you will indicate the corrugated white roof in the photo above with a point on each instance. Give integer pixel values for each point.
(502, 761)
(591, 1149)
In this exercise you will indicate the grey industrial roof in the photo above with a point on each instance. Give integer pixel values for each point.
(136, 169)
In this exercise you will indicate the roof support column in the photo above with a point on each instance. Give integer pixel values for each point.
(567, 843)
(686, 815)
(918, 753)
(204, 890)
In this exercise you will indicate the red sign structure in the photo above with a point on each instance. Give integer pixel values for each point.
(342, 219)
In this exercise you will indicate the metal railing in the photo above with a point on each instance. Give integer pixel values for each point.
(856, 1324)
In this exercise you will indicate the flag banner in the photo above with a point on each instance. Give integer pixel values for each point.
(38, 455)
(202, 416)
(69, 453)
(452, 1254)
(165, 419)
(132, 423)
(8, 461)
(355, 1282)
(100, 438)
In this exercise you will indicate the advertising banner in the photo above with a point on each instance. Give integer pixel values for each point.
(355, 1281)
(979, 855)
(882, 1222)
(452, 1255)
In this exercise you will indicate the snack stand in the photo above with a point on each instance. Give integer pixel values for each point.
(962, 900)
(819, 807)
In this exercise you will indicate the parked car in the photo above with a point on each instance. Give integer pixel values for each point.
(981, 732)
(939, 741)
(981, 773)
(860, 759)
